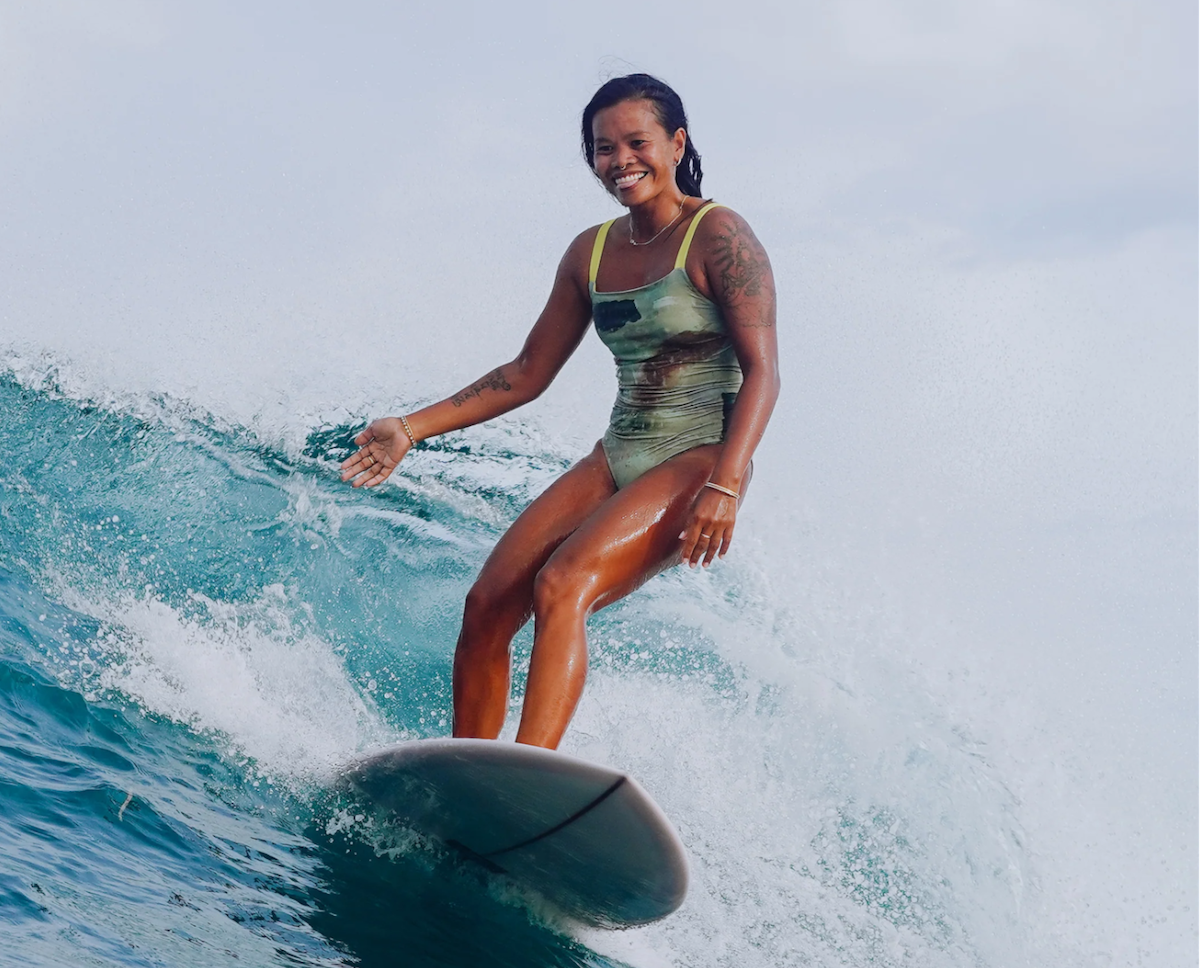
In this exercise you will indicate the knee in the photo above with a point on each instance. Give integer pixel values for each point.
(491, 606)
(560, 586)
(482, 599)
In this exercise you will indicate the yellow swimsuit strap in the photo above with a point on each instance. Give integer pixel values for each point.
(680, 260)
(597, 248)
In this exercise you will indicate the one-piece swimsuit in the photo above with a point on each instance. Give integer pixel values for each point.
(677, 372)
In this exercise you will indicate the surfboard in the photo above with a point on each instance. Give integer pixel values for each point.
(586, 838)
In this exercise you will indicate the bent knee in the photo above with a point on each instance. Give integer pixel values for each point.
(490, 604)
(562, 584)
(486, 634)
(483, 597)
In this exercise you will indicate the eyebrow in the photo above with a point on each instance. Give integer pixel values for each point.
(627, 134)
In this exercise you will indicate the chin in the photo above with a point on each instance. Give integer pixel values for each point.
(640, 197)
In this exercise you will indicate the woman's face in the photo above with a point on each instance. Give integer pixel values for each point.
(634, 156)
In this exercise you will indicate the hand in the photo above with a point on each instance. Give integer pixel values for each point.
(709, 528)
(381, 447)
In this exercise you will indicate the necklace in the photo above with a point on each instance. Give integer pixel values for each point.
(633, 241)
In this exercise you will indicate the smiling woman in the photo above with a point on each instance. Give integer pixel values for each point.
(682, 293)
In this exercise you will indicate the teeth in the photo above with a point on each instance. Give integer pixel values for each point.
(626, 180)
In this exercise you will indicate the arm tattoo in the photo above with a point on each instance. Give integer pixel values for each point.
(743, 272)
(493, 381)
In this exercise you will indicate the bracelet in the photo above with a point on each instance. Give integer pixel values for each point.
(724, 490)
(408, 430)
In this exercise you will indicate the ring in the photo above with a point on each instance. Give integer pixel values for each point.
(703, 535)
(371, 459)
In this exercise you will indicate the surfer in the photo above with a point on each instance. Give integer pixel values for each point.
(682, 293)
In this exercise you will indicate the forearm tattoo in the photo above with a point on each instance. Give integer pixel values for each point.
(744, 273)
(493, 381)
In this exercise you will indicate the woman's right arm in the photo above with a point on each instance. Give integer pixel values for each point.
(554, 337)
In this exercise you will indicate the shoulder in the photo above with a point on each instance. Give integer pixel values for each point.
(575, 265)
(584, 242)
(722, 226)
(578, 257)
(735, 265)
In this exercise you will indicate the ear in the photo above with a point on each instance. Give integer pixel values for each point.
(680, 141)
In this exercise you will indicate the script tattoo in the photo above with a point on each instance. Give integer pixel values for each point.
(744, 273)
(493, 381)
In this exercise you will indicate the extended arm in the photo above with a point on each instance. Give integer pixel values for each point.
(550, 343)
(738, 274)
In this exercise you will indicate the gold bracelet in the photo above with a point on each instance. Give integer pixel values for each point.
(724, 490)
(408, 430)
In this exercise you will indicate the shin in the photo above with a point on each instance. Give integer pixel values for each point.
(482, 661)
(558, 666)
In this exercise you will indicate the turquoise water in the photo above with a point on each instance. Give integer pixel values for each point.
(198, 628)
(134, 832)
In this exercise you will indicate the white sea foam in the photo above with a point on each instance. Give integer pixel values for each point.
(824, 826)
(870, 791)
(270, 693)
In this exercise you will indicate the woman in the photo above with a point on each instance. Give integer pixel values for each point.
(682, 293)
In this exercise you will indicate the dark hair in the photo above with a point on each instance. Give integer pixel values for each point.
(668, 108)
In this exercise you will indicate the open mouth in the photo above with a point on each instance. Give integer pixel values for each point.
(625, 181)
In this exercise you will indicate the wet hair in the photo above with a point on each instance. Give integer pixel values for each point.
(668, 108)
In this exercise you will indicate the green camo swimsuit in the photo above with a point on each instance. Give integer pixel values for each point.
(677, 373)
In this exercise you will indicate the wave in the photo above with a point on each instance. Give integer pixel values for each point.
(246, 623)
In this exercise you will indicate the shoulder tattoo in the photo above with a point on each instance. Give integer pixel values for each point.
(743, 270)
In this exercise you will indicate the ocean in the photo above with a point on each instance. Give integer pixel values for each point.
(936, 709)
(199, 628)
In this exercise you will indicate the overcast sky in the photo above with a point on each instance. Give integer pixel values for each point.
(982, 215)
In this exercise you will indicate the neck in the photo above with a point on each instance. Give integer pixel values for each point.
(651, 216)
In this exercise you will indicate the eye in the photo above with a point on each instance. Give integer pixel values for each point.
(637, 142)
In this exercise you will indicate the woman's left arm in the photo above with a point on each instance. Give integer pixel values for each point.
(738, 275)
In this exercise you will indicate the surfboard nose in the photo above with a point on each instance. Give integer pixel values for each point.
(585, 837)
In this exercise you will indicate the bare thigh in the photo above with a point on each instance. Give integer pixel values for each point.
(507, 577)
(632, 536)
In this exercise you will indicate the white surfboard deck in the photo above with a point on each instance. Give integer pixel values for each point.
(585, 837)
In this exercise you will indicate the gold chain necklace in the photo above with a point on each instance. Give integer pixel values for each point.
(633, 241)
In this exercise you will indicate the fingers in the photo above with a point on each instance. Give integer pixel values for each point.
(365, 457)
(698, 545)
(709, 530)
(714, 545)
(375, 472)
(368, 466)
(351, 466)
(693, 542)
(381, 448)
(726, 540)
(711, 545)
(379, 475)
(356, 463)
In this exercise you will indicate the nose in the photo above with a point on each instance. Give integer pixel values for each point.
(623, 156)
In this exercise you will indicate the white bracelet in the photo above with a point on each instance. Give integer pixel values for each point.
(724, 490)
